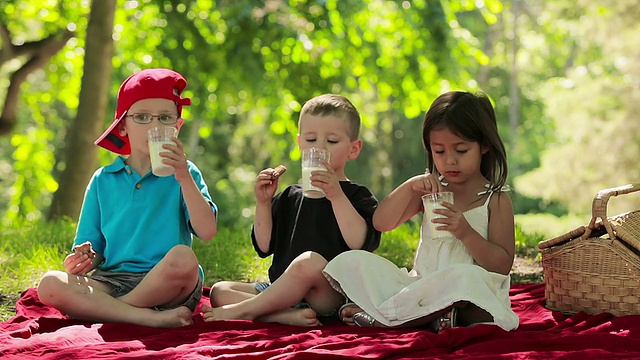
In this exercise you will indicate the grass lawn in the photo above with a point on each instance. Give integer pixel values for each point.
(29, 250)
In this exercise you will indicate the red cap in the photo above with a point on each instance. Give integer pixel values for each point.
(146, 84)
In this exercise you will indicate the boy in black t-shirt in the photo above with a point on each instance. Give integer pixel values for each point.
(303, 234)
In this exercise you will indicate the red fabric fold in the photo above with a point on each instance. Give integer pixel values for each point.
(38, 331)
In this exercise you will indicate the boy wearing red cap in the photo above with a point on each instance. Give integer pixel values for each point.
(139, 225)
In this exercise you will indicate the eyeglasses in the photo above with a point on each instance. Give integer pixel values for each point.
(144, 118)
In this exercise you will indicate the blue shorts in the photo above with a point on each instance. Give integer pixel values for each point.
(121, 283)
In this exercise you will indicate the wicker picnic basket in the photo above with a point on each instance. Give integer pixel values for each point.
(596, 268)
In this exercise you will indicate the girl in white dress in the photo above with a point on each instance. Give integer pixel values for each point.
(456, 281)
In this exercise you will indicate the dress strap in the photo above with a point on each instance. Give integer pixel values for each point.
(489, 191)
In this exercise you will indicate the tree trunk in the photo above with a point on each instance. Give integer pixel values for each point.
(514, 91)
(80, 156)
(38, 53)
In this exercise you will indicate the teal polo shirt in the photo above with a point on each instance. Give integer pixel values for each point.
(134, 221)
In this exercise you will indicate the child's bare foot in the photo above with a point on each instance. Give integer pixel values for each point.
(173, 318)
(296, 317)
(225, 312)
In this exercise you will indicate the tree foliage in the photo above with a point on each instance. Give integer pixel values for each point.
(250, 66)
(35, 53)
(562, 74)
(593, 102)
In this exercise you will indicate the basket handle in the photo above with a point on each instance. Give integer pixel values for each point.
(599, 207)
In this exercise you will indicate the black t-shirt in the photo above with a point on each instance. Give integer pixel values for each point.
(303, 224)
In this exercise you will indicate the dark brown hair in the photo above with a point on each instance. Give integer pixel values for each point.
(472, 118)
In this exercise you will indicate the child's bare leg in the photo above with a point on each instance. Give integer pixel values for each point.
(291, 316)
(86, 299)
(288, 316)
(303, 279)
(231, 292)
(169, 283)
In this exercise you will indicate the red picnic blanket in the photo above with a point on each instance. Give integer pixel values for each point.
(41, 332)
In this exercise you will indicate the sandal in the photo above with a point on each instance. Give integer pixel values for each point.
(348, 305)
(446, 321)
(363, 319)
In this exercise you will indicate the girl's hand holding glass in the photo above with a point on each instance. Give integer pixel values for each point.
(454, 220)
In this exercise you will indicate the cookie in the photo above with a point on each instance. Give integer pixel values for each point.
(279, 170)
(85, 248)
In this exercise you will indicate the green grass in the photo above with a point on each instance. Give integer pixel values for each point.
(549, 226)
(230, 256)
(399, 245)
(28, 250)
(533, 228)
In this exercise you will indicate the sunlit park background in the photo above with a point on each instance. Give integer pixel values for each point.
(564, 76)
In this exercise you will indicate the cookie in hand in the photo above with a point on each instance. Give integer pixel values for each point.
(279, 170)
(85, 248)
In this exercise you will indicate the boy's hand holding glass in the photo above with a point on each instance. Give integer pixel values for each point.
(327, 181)
(177, 159)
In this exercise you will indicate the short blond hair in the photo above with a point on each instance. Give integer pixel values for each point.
(337, 105)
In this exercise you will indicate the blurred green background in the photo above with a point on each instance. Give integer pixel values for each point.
(563, 76)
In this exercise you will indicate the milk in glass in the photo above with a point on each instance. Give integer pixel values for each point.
(431, 202)
(313, 160)
(158, 137)
(157, 166)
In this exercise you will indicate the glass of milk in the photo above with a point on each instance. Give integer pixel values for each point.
(159, 136)
(312, 160)
(434, 201)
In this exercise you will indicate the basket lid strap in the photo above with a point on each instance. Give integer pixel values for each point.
(574, 234)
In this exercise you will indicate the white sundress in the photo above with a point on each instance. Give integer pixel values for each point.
(444, 272)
